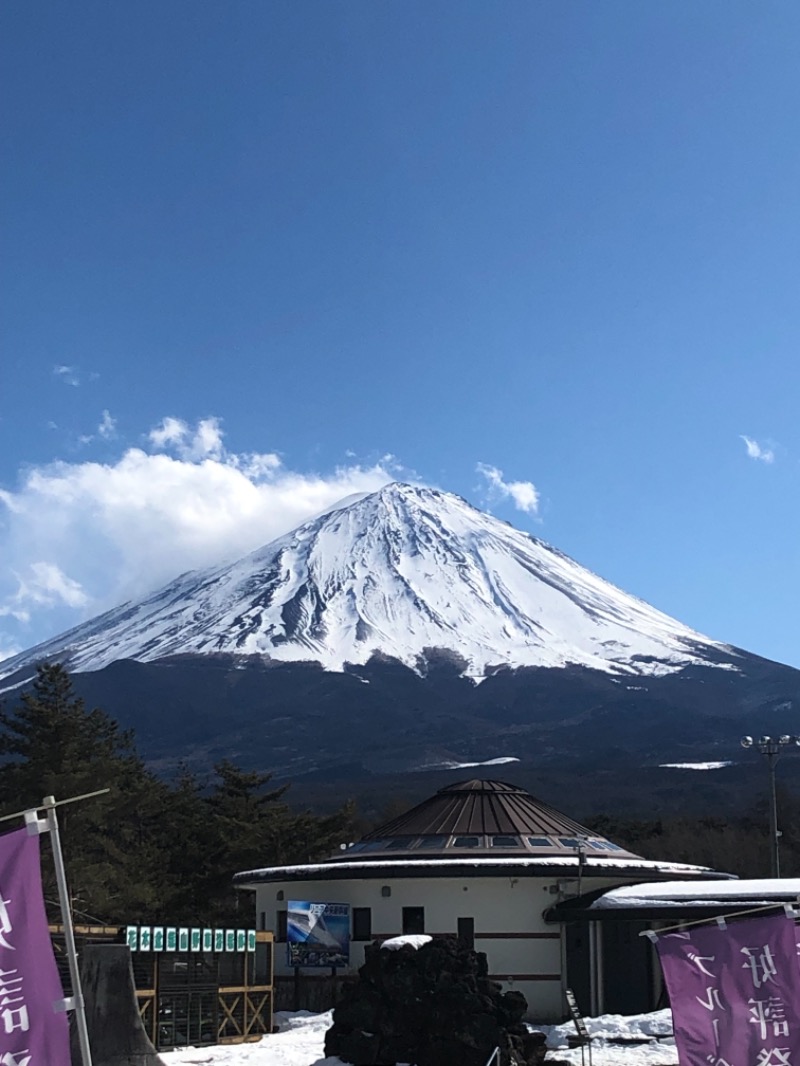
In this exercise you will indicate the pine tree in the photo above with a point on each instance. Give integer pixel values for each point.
(148, 851)
(54, 746)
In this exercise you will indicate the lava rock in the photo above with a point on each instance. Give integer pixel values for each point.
(431, 1006)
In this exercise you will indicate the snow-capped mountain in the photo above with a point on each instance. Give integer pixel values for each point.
(397, 572)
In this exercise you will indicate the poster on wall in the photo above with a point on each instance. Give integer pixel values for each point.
(318, 934)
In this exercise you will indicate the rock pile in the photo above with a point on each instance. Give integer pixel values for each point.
(430, 1005)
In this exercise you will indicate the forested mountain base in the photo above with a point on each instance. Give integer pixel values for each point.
(149, 850)
(155, 850)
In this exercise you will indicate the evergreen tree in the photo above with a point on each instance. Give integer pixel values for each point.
(53, 746)
(147, 851)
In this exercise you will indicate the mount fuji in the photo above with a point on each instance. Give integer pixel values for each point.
(405, 629)
(397, 572)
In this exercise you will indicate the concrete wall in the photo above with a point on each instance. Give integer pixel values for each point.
(523, 951)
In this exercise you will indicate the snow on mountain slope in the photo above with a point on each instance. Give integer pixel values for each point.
(397, 571)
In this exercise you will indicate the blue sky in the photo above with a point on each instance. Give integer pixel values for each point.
(253, 249)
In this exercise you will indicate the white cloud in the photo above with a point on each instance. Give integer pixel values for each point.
(111, 531)
(205, 440)
(108, 426)
(67, 374)
(46, 585)
(524, 494)
(758, 451)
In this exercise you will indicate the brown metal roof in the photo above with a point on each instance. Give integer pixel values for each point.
(480, 807)
(482, 817)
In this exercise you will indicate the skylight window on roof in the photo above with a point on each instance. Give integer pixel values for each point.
(540, 842)
(398, 843)
(506, 842)
(571, 842)
(375, 845)
(466, 842)
(432, 842)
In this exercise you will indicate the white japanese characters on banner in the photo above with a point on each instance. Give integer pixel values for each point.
(32, 1032)
(735, 992)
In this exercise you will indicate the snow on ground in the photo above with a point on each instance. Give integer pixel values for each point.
(301, 1043)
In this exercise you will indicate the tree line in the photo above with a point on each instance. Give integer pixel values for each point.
(738, 845)
(160, 851)
(149, 850)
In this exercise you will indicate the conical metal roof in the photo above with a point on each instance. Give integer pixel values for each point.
(482, 818)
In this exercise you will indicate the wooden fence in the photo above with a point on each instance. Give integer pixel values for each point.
(194, 998)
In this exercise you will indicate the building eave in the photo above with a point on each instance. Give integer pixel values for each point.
(650, 869)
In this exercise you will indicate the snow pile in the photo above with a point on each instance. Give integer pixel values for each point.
(411, 940)
(300, 1043)
(617, 1027)
(398, 571)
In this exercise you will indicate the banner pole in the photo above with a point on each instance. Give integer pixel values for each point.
(49, 804)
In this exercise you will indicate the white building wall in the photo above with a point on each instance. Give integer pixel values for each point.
(523, 951)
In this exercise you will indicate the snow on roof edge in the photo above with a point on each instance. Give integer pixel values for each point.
(699, 893)
(387, 868)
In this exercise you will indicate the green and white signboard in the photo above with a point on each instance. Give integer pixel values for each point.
(159, 938)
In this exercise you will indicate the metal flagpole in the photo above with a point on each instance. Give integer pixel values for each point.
(37, 825)
(49, 804)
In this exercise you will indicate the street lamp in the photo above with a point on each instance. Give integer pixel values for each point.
(772, 747)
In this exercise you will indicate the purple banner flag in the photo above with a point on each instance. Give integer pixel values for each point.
(32, 1032)
(735, 993)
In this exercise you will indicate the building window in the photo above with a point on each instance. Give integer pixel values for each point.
(280, 932)
(466, 932)
(467, 842)
(398, 843)
(362, 923)
(505, 842)
(413, 920)
(571, 842)
(433, 842)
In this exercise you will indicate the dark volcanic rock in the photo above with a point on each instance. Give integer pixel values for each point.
(434, 1006)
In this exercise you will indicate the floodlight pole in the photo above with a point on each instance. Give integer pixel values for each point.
(771, 753)
(771, 748)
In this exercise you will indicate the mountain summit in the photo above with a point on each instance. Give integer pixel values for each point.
(399, 572)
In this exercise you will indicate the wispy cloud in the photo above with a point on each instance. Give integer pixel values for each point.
(78, 537)
(67, 374)
(46, 585)
(758, 451)
(204, 441)
(108, 426)
(524, 494)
